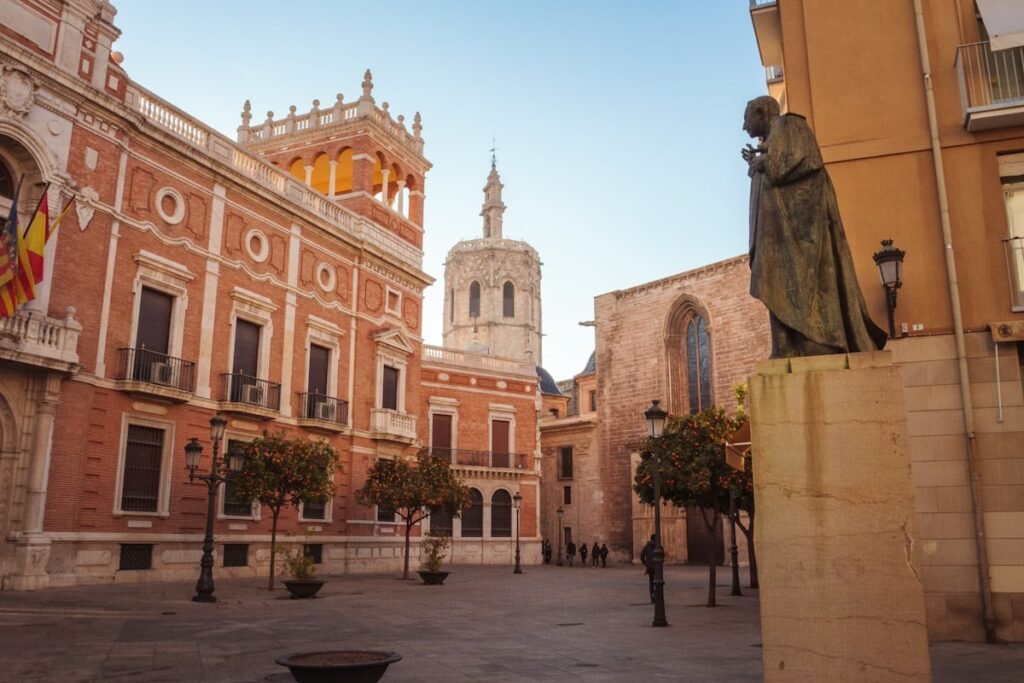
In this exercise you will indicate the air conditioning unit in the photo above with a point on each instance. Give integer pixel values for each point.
(324, 411)
(252, 393)
(161, 373)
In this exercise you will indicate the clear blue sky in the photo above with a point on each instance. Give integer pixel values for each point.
(618, 124)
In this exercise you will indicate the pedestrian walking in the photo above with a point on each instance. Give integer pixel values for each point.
(604, 556)
(545, 550)
(647, 558)
(595, 555)
(583, 555)
(570, 552)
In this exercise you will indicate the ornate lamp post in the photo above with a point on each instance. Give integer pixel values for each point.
(517, 501)
(890, 266)
(560, 512)
(217, 476)
(655, 427)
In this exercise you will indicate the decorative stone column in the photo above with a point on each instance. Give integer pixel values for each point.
(33, 549)
(333, 178)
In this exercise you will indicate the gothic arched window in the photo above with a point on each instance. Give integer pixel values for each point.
(698, 364)
(474, 300)
(508, 300)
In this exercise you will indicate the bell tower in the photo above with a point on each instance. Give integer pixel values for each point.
(492, 288)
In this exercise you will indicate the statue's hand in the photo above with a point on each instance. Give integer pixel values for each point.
(748, 153)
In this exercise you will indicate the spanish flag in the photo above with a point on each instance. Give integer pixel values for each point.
(36, 236)
(8, 256)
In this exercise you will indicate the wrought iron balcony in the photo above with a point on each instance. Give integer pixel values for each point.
(321, 411)
(991, 86)
(391, 424)
(242, 393)
(32, 338)
(151, 372)
(472, 458)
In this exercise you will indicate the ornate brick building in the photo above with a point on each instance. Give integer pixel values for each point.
(276, 279)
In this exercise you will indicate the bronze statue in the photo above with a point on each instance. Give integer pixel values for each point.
(800, 264)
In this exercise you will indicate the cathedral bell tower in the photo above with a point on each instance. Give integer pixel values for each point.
(492, 288)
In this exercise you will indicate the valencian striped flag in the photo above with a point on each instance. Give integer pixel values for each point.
(8, 259)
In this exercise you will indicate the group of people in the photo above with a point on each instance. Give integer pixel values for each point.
(598, 554)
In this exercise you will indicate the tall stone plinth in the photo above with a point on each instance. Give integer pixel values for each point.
(842, 597)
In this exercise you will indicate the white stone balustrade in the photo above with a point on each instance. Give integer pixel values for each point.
(34, 339)
(447, 356)
(393, 423)
(218, 147)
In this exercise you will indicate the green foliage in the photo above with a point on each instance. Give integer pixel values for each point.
(299, 564)
(280, 471)
(691, 460)
(434, 550)
(414, 490)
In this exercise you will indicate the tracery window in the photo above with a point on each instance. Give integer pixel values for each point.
(698, 364)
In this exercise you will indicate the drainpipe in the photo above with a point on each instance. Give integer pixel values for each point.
(974, 474)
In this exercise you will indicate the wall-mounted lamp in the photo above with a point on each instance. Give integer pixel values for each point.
(890, 266)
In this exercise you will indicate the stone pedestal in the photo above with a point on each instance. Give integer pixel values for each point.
(842, 597)
(30, 557)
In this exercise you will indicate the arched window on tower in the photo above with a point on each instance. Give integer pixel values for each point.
(451, 306)
(508, 300)
(698, 364)
(474, 300)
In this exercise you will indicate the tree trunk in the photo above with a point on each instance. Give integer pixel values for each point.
(713, 557)
(273, 546)
(749, 533)
(408, 530)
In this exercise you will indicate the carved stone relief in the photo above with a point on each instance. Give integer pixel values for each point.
(17, 91)
(374, 295)
(84, 208)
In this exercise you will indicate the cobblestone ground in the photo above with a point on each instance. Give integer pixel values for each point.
(548, 624)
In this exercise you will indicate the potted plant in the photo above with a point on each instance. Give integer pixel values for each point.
(338, 666)
(434, 550)
(304, 583)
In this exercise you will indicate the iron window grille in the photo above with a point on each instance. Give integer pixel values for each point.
(136, 557)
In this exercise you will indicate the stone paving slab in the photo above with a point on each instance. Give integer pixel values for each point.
(548, 624)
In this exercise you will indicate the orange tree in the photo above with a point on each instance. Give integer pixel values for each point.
(414, 490)
(279, 471)
(690, 456)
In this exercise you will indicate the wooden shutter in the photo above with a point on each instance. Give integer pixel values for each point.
(154, 321)
(247, 348)
(389, 397)
(441, 432)
(319, 360)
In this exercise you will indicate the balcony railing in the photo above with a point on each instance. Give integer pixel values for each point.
(158, 369)
(393, 424)
(315, 406)
(35, 339)
(472, 458)
(991, 86)
(247, 390)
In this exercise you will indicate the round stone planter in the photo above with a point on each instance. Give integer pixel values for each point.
(433, 578)
(338, 666)
(304, 589)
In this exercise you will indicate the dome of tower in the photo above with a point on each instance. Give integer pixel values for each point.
(591, 367)
(547, 382)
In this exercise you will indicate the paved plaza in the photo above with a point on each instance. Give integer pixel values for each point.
(549, 624)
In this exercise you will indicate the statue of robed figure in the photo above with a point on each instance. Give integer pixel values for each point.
(800, 264)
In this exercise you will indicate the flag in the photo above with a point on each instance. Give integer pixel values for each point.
(24, 282)
(36, 235)
(8, 255)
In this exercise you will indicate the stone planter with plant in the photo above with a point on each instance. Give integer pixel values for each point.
(433, 551)
(304, 583)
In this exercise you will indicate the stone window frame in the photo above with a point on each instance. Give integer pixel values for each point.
(442, 405)
(166, 276)
(390, 292)
(489, 503)
(505, 412)
(258, 310)
(328, 335)
(393, 353)
(163, 507)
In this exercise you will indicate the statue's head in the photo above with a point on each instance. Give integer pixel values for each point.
(759, 115)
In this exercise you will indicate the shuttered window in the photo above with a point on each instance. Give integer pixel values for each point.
(389, 395)
(154, 321)
(247, 348)
(473, 516)
(501, 514)
(143, 462)
(441, 433)
(565, 462)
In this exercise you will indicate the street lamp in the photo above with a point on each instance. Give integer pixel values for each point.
(560, 512)
(517, 500)
(217, 476)
(890, 266)
(655, 427)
